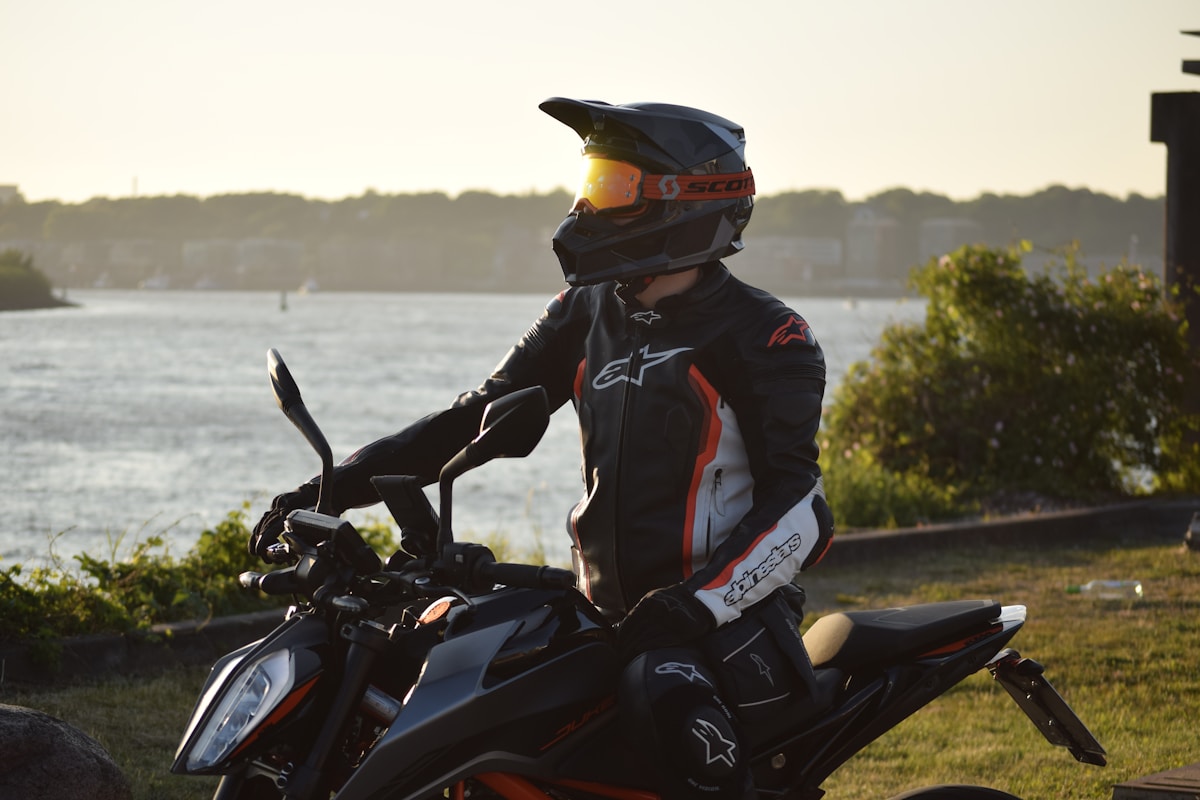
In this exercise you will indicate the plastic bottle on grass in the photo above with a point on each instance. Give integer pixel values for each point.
(1108, 590)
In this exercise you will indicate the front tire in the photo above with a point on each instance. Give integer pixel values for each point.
(955, 792)
(237, 787)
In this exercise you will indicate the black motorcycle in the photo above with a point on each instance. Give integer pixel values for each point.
(452, 675)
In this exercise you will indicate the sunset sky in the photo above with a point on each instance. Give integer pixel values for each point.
(328, 100)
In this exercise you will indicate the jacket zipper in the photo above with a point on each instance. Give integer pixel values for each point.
(716, 508)
(635, 360)
(718, 495)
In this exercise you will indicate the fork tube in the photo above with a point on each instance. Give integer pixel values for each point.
(306, 780)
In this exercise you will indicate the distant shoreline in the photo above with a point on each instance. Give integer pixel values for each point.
(15, 301)
(819, 290)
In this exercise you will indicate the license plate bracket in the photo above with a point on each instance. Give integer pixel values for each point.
(1024, 680)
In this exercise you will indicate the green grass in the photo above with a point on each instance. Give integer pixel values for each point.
(1129, 670)
(138, 721)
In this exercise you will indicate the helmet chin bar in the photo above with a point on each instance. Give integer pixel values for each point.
(592, 249)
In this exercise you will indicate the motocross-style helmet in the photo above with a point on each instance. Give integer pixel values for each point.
(664, 188)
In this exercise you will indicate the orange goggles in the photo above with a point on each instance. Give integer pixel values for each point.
(607, 185)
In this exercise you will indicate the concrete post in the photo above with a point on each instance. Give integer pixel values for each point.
(1175, 122)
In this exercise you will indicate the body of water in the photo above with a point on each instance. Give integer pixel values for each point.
(146, 413)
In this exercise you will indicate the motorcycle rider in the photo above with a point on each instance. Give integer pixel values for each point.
(699, 400)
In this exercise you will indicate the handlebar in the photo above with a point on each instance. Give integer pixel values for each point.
(464, 569)
(481, 574)
(286, 581)
(527, 576)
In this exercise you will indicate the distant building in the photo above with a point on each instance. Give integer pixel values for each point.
(265, 263)
(873, 248)
(942, 235)
(790, 262)
(8, 191)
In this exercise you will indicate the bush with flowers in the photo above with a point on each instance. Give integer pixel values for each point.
(1055, 386)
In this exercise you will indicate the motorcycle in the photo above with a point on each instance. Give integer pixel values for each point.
(453, 675)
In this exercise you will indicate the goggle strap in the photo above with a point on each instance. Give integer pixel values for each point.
(722, 186)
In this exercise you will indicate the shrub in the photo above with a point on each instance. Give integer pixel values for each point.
(863, 493)
(144, 588)
(1052, 383)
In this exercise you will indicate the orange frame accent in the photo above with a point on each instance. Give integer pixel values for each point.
(514, 787)
(963, 643)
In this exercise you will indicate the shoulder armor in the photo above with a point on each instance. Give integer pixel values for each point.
(783, 329)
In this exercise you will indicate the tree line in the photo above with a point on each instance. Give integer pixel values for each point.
(469, 236)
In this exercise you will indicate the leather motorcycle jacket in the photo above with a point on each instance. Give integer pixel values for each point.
(698, 421)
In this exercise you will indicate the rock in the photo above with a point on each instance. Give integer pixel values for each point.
(43, 758)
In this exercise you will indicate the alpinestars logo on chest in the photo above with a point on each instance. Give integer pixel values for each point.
(616, 371)
(646, 317)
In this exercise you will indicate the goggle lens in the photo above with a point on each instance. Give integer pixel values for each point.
(606, 184)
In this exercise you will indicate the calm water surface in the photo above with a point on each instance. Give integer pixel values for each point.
(144, 413)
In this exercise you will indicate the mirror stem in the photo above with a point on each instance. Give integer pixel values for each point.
(462, 461)
(300, 417)
(445, 532)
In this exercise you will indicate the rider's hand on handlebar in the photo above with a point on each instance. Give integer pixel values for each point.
(663, 618)
(268, 529)
(418, 541)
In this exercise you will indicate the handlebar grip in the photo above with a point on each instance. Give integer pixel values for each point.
(283, 581)
(249, 580)
(528, 576)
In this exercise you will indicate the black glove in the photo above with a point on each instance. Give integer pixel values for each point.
(266, 532)
(663, 618)
(418, 541)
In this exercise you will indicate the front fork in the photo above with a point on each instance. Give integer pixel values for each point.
(367, 641)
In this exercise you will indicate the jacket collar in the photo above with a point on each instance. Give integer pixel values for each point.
(712, 277)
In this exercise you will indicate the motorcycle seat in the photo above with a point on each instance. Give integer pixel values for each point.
(850, 640)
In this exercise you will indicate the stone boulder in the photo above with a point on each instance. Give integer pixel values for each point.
(43, 758)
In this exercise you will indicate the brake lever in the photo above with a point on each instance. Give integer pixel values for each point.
(418, 583)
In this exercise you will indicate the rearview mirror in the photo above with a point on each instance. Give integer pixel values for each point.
(511, 427)
(283, 385)
(287, 395)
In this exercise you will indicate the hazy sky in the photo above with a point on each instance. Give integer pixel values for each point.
(328, 100)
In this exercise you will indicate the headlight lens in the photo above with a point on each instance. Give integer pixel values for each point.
(243, 705)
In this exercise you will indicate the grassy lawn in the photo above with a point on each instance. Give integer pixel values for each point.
(139, 722)
(1128, 669)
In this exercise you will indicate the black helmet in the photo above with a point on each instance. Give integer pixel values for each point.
(669, 186)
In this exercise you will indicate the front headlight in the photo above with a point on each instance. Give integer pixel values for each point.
(248, 699)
